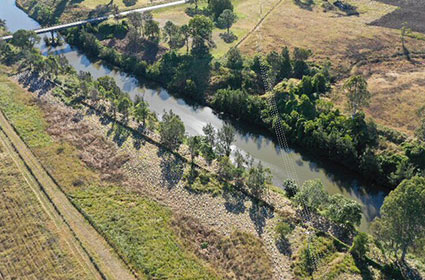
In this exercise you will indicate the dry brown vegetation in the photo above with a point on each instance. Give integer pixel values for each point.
(31, 246)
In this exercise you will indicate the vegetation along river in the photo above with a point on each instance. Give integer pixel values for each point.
(249, 140)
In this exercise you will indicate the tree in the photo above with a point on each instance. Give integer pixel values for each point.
(226, 19)
(146, 16)
(360, 246)
(225, 169)
(25, 39)
(194, 145)
(171, 130)
(402, 221)
(201, 31)
(141, 111)
(185, 31)
(312, 195)
(173, 35)
(216, 7)
(420, 131)
(194, 2)
(152, 30)
(226, 136)
(123, 106)
(136, 20)
(344, 211)
(210, 134)
(290, 187)
(258, 178)
(234, 59)
(357, 93)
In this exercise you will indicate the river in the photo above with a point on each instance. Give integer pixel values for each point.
(249, 140)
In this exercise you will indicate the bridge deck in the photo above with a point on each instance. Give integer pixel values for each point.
(99, 19)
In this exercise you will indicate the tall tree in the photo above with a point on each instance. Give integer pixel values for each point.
(194, 145)
(258, 178)
(146, 16)
(25, 39)
(312, 195)
(234, 59)
(136, 20)
(226, 19)
(216, 7)
(344, 211)
(171, 130)
(152, 30)
(173, 36)
(185, 31)
(357, 93)
(201, 31)
(141, 111)
(402, 221)
(226, 136)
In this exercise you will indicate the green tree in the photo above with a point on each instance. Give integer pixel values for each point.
(344, 211)
(402, 221)
(171, 130)
(234, 59)
(200, 28)
(290, 187)
(226, 169)
(360, 246)
(152, 30)
(173, 36)
(185, 31)
(210, 134)
(194, 145)
(217, 7)
(25, 39)
(196, 2)
(146, 17)
(136, 20)
(226, 136)
(312, 195)
(226, 19)
(141, 111)
(357, 93)
(258, 178)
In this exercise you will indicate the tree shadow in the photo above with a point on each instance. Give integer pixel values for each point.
(172, 169)
(259, 214)
(138, 139)
(305, 4)
(284, 246)
(363, 266)
(234, 201)
(120, 134)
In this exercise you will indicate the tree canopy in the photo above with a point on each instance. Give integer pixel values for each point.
(402, 221)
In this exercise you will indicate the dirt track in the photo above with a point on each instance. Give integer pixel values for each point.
(96, 255)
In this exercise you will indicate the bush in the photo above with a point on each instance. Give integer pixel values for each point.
(282, 229)
(290, 188)
(360, 246)
(129, 3)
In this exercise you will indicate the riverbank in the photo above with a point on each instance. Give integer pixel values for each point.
(356, 143)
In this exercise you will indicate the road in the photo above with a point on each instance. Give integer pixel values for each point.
(99, 19)
(96, 254)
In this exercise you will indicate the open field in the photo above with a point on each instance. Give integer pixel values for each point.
(33, 241)
(246, 10)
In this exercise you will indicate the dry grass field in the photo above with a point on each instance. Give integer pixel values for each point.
(31, 247)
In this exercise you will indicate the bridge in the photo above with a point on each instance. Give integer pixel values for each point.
(99, 19)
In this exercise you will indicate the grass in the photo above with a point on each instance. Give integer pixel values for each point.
(246, 10)
(30, 244)
(137, 227)
(141, 231)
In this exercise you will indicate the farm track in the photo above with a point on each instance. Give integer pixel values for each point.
(96, 256)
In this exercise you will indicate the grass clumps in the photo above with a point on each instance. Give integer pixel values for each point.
(141, 232)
